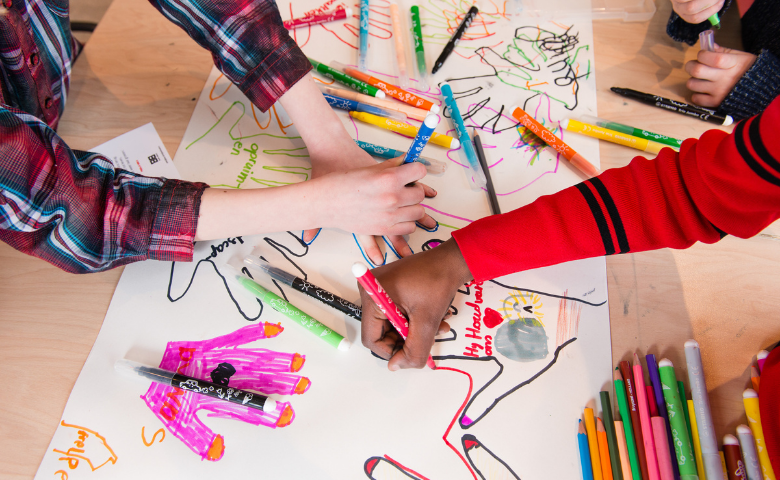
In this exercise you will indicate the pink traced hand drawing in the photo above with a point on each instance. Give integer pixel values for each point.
(219, 360)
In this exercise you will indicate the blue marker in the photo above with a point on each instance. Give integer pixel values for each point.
(354, 105)
(478, 176)
(363, 51)
(423, 135)
(434, 167)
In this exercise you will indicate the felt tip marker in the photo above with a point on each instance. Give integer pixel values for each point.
(355, 106)
(714, 20)
(345, 79)
(363, 46)
(707, 40)
(305, 287)
(340, 13)
(396, 92)
(405, 129)
(675, 143)
(192, 384)
(705, 114)
(594, 131)
(477, 175)
(421, 139)
(387, 104)
(384, 302)
(419, 49)
(434, 167)
(453, 42)
(400, 43)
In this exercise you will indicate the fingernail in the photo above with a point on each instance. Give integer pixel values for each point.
(393, 367)
(434, 192)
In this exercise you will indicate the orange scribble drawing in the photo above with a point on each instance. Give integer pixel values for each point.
(89, 446)
(154, 437)
(63, 474)
(211, 93)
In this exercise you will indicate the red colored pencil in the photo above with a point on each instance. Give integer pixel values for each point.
(625, 370)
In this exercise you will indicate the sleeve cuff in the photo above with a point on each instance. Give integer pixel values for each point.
(755, 90)
(172, 238)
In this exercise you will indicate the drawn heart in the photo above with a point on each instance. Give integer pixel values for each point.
(492, 318)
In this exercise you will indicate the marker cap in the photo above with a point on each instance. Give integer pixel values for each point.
(359, 269)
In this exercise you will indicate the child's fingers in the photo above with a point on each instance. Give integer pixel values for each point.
(371, 249)
(721, 60)
(400, 245)
(429, 192)
(701, 86)
(310, 235)
(701, 71)
(705, 100)
(410, 173)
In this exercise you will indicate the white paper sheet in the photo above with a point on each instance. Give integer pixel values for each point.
(140, 151)
(508, 414)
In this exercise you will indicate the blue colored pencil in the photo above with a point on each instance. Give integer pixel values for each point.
(478, 176)
(655, 380)
(582, 438)
(421, 140)
(363, 50)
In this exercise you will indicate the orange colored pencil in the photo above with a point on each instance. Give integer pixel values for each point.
(601, 435)
(547, 136)
(755, 378)
(390, 89)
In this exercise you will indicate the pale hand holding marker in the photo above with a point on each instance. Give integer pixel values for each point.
(384, 302)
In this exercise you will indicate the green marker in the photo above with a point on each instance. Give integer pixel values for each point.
(684, 400)
(633, 131)
(682, 442)
(622, 400)
(345, 79)
(419, 50)
(715, 21)
(292, 312)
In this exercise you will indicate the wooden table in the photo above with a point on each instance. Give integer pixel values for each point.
(138, 68)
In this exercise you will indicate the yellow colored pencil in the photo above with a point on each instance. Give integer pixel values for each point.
(601, 434)
(695, 441)
(611, 136)
(625, 463)
(593, 444)
(750, 400)
(404, 129)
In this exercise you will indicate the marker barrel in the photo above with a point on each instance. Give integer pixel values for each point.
(434, 167)
(363, 49)
(345, 79)
(408, 110)
(355, 106)
(453, 41)
(394, 91)
(629, 130)
(477, 175)
(400, 44)
(405, 129)
(680, 440)
(713, 467)
(422, 137)
(339, 13)
(419, 49)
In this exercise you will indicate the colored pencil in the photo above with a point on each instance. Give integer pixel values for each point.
(644, 420)
(547, 137)
(495, 209)
(609, 426)
(582, 439)
(695, 441)
(626, 415)
(747, 443)
(625, 369)
(735, 469)
(606, 461)
(750, 400)
(658, 391)
(625, 462)
(709, 444)
(755, 378)
(760, 359)
(662, 449)
(593, 444)
(404, 129)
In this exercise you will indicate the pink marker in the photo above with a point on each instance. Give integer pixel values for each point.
(384, 302)
(338, 14)
(644, 420)
(760, 359)
(662, 449)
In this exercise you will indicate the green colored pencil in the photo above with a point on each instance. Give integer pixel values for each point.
(625, 415)
(609, 426)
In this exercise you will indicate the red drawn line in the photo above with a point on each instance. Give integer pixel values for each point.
(405, 469)
(447, 214)
(468, 395)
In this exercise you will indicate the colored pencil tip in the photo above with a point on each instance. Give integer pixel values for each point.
(599, 425)
(616, 375)
(636, 360)
(580, 427)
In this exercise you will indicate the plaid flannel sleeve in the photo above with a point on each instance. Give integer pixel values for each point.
(76, 211)
(247, 40)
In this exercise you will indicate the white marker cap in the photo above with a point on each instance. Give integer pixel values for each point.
(691, 343)
(358, 269)
(762, 355)
(744, 430)
(380, 94)
(344, 345)
(665, 362)
(728, 121)
(730, 439)
(435, 109)
(749, 393)
(455, 143)
(269, 405)
(431, 120)
(349, 12)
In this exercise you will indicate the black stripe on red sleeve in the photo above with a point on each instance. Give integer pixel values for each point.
(754, 132)
(598, 215)
(750, 160)
(614, 215)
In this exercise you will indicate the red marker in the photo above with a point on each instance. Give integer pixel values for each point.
(339, 14)
(384, 302)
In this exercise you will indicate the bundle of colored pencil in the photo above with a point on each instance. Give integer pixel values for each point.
(657, 433)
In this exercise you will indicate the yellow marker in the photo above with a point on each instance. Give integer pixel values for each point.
(593, 444)
(750, 400)
(696, 444)
(404, 129)
(611, 136)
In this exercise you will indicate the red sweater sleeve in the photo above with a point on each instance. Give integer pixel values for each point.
(717, 185)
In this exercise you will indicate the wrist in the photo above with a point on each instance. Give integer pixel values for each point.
(452, 260)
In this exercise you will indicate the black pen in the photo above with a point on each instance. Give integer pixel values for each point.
(483, 161)
(192, 384)
(455, 38)
(324, 296)
(706, 114)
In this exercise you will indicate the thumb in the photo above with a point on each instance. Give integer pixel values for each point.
(393, 162)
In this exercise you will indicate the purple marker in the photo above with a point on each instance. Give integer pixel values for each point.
(423, 135)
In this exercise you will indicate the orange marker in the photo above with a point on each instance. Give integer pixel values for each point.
(390, 89)
(547, 136)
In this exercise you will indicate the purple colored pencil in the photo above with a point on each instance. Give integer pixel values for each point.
(655, 380)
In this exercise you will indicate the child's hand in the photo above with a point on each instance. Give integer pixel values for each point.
(714, 74)
(696, 11)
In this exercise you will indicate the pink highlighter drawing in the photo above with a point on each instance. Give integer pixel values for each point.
(221, 362)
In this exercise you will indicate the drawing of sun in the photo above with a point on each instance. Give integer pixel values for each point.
(522, 305)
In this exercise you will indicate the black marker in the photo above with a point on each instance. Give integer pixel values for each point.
(192, 384)
(483, 161)
(324, 296)
(455, 38)
(706, 114)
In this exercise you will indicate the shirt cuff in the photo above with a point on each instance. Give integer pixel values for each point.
(755, 90)
(172, 238)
